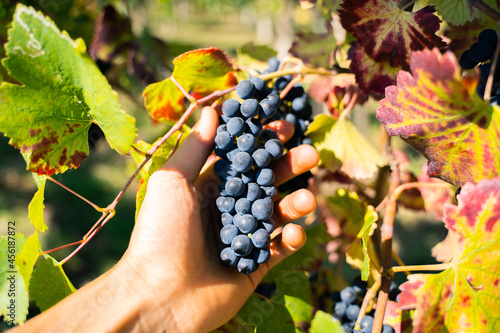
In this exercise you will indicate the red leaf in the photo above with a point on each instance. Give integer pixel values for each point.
(388, 33)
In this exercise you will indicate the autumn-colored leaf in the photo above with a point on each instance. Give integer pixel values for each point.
(372, 76)
(386, 32)
(63, 93)
(434, 198)
(464, 297)
(340, 141)
(439, 114)
(201, 71)
(361, 253)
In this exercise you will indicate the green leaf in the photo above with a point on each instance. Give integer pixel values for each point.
(341, 140)
(26, 259)
(14, 299)
(290, 305)
(63, 93)
(305, 258)
(458, 12)
(325, 322)
(49, 284)
(464, 297)
(364, 245)
(440, 115)
(157, 160)
(315, 49)
(35, 209)
(257, 52)
(199, 71)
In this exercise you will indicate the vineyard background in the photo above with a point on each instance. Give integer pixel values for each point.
(180, 26)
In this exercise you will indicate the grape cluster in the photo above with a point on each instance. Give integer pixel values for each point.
(481, 53)
(246, 189)
(295, 108)
(347, 306)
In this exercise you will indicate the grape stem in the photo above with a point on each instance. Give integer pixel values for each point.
(489, 82)
(370, 294)
(434, 267)
(485, 8)
(96, 207)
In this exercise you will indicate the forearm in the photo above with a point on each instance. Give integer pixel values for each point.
(114, 302)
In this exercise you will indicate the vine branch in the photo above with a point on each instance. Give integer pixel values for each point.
(485, 8)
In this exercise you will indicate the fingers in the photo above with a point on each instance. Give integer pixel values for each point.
(292, 238)
(284, 129)
(194, 151)
(294, 206)
(298, 160)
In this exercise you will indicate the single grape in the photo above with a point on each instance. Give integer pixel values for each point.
(253, 126)
(291, 118)
(275, 148)
(250, 108)
(224, 140)
(269, 191)
(243, 206)
(222, 128)
(253, 192)
(296, 91)
(229, 257)
(466, 62)
(394, 291)
(242, 161)
(481, 51)
(262, 209)
(219, 165)
(366, 323)
(247, 143)
(267, 108)
(281, 83)
(236, 126)
(352, 312)
(245, 89)
(231, 152)
(268, 225)
(359, 286)
(265, 176)
(247, 265)
(335, 296)
(231, 108)
(274, 98)
(348, 327)
(340, 309)
(242, 245)
(261, 256)
(228, 172)
(348, 295)
(307, 141)
(267, 135)
(248, 176)
(225, 204)
(246, 223)
(273, 63)
(387, 329)
(226, 218)
(228, 233)
(234, 187)
(489, 36)
(261, 158)
(258, 83)
(261, 238)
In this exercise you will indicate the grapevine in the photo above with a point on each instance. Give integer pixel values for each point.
(399, 98)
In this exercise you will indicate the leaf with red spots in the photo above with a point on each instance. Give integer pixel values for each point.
(386, 32)
(439, 114)
(464, 297)
(200, 71)
(63, 93)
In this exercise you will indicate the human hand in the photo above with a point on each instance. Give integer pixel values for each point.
(175, 244)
